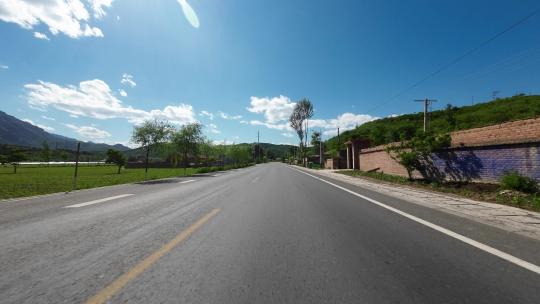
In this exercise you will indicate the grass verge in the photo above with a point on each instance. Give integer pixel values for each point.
(478, 191)
(30, 181)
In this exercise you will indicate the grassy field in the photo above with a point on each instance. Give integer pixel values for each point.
(42, 180)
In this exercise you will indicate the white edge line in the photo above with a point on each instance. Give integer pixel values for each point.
(188, 181)
(98, 201)
(496, 252)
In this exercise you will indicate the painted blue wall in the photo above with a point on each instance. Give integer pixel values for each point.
(488, 163)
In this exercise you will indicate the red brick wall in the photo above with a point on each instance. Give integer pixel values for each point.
(377, 157)
(520, 131)
(479, 140)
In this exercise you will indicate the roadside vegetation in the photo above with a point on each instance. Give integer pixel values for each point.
(165, 151)
(451, 118)
(32, 180)
(514, 189)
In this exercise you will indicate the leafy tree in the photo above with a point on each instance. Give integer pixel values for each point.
(239, 154)
(3, 159)
(187, 141)
(116, 157)
(207, 149)
(258, 152)
(450, 116)
(316, 142)
(64, 156)
(296, 122)
(151, 135)
(45, 152)
(415, 154)
(302, 112)
(15, 157)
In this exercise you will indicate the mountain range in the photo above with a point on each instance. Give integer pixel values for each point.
(14, 131)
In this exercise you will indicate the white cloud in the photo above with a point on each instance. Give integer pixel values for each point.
(41, 36)
(214, 129)
(275, 109)
(122, 93)
(47, 118)
(345, 121)
(89, 132)
(229, 117)
(207, 114)
(4, 67)
(287, 134)
(280, 126)
(94, 98)
(223, 142)
(189, 13)
(69, 17)
(127, 79)
(244, 122)
(46, 128)
(99, 6)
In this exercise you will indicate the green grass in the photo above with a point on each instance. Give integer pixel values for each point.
(377, 175)
(42, 180)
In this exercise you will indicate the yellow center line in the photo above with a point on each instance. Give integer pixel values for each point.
(111, 289)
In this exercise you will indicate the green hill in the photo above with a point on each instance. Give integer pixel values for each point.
(390, 129)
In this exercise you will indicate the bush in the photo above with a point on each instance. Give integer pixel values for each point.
(515, 181)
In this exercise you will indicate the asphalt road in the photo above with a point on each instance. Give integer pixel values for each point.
(265, 234)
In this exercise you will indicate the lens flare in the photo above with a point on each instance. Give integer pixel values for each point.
(190, 14)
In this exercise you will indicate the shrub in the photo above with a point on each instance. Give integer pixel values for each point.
(515, 181)
(204, 170)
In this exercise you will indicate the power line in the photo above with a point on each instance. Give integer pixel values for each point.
(459, 58)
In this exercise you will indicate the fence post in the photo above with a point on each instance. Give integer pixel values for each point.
(74, 186)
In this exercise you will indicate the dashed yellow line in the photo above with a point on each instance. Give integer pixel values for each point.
(111, 289)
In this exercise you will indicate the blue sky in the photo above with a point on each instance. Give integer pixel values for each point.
(94, 69)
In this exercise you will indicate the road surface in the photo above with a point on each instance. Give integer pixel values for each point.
(265, 234)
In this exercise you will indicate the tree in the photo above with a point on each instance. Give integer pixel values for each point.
(116, 157)
(151, 135)
(207, 149)
(187, 140)
(64, 156)
(415, 154)
(450, 116)
(45, 152)
(3, 159)
(238, 154)
(302, 112)
(15, 157)
(297, 123)
(317, 143)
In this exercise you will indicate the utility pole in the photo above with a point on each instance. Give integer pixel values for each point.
(427, 102)
(74, 186)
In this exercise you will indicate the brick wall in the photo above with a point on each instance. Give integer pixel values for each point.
(489, 163)
(373, 158)
(481, 154)
(521, 131)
